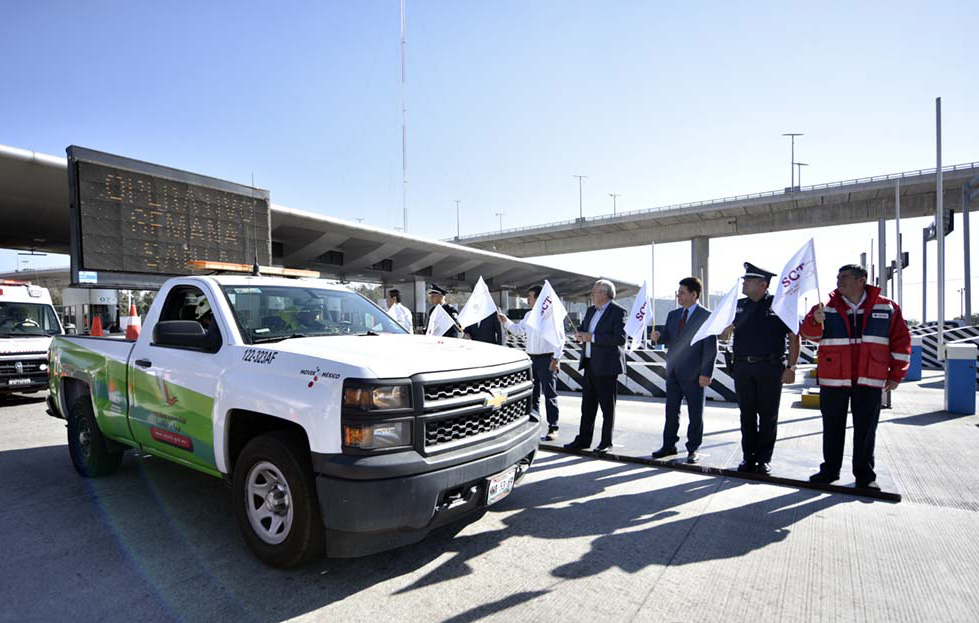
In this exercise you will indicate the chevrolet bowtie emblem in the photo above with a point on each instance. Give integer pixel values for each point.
(496, 400)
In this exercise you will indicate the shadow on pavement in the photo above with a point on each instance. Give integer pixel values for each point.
(925, 419)
(157, 541)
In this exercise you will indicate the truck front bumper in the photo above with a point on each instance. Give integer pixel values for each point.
(368, 516)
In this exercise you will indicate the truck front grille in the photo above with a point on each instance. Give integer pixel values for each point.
(443, 431)
(471, 387)
(27, 366)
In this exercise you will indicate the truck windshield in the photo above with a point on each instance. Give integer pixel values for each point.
(270, 313)
(27, 319)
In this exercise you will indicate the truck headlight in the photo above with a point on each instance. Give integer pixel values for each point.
(376, 436)
(377, 398)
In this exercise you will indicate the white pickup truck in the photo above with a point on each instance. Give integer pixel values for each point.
(339, 432)
(27, 323)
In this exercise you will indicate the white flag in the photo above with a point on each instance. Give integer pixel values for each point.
(479, 306)
(635, 326)
(547, 317)
(722, 316)
(439, 322)
(797, 278)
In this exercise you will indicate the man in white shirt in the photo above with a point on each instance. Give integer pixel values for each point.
(399, 312)
(544, 359)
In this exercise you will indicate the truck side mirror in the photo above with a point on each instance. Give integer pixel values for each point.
(183, 334)
(70, 329)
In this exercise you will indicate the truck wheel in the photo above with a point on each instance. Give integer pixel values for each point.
(89, 449)
(275, 500)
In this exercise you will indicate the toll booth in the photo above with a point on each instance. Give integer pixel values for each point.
(81, 305)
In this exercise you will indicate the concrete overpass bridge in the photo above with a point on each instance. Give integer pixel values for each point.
(860, 200)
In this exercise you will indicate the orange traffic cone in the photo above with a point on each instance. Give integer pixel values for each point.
(96, 327)
(132, 325)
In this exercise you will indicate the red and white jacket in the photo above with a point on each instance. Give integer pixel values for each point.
(880, 351)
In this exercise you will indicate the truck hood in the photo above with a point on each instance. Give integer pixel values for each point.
(396, 356)
(21, 345)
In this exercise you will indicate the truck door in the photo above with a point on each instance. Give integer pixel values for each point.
(172, 388)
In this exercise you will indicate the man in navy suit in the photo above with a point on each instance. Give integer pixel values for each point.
(486, 330)
(688, 369)
(603, 333)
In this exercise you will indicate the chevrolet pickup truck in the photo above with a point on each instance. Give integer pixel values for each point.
(27, 322)
(338, 432)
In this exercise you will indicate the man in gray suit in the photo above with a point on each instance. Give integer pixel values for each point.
(688, 369)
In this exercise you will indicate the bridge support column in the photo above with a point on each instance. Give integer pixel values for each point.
(699, 253)
(421, 298)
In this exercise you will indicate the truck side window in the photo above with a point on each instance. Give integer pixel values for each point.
(189, 303)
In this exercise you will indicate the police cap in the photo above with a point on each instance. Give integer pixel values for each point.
(437, 289)
(750, 270)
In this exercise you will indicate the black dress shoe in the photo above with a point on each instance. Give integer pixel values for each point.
(574, 445)
(872, 484)
(693, 457)
(823, 478)
(764, 468)
(747, 466)
(663, 452)
(603, 449)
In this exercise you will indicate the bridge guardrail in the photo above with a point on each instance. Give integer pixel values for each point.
(708, 202)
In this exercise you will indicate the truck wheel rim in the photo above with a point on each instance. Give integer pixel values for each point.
(268, 503)
(84, 435)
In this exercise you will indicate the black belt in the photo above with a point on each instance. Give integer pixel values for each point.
(540, 355)
(766, 359)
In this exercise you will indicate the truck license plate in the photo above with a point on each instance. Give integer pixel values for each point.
(13, 382)
(499, 486)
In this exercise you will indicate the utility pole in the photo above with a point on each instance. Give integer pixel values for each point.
(404, 128)
(940, 227)
(501, 215)
(792, 135)
(457, 218)
(613, 196)
(581, 212)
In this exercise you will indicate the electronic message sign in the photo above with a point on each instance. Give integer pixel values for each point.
(136, 224)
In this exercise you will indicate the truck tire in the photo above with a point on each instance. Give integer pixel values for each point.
(88, 447)
(275, 500)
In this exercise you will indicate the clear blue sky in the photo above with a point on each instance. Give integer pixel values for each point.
(506, 101)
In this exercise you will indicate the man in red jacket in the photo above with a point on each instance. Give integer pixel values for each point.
(864, 348)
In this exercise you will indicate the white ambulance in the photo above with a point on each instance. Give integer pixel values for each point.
(27, 323)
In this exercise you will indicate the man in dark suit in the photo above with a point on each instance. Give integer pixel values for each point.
(688, 369)
(486, 330)
(603, 333)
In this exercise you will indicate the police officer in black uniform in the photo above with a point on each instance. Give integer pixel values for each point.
(759, 368)
(436, 296)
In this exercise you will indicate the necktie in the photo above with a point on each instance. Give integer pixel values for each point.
(683, 320)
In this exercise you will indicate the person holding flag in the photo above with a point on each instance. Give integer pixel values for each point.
(544, 355)
(759, 367)
(603, 333)
(864, 348)
(436, 296)
(478, 316)
(689, 368)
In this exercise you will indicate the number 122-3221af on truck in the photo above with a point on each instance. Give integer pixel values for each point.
(339, 432)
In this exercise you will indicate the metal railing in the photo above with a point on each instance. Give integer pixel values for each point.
(710, 202)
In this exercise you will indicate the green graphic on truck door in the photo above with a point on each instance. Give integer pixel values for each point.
(172, 419)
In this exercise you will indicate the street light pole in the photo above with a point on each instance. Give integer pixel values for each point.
(581, 212)
(800, 165)
(457, 218)
(613, 196)
(501, 215)
(792, 135)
